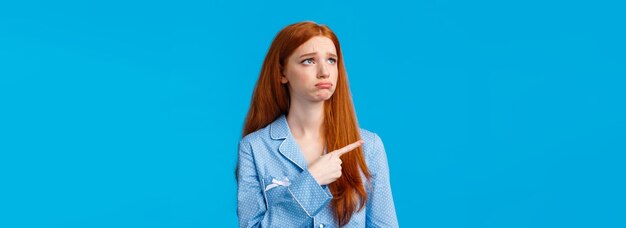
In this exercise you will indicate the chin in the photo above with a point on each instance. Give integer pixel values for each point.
(327, 98)
(322, 98)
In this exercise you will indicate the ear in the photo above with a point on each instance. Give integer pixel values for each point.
(283, 79)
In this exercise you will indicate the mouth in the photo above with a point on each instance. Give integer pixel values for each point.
(323, 85)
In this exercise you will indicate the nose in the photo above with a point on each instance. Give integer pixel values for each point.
(322, 71)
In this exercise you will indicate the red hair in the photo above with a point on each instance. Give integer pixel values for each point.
(270, 99)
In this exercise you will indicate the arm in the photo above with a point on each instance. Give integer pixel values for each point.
(289, 206)
(381, 211)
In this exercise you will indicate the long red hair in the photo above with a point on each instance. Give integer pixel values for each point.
(270, 99)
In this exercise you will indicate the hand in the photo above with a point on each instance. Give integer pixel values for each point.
(327, 168)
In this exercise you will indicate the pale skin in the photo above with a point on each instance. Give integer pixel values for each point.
(312, 63)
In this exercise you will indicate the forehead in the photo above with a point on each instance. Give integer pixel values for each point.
(320, 44)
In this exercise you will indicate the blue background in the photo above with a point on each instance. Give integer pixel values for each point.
(493, 113)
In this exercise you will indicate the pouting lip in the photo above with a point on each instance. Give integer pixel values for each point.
(324, 83)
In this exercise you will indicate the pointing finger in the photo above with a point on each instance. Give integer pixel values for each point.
(347, 148)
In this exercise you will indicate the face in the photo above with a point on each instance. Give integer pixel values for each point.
(311, 71)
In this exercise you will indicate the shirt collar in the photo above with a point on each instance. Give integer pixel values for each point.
(279, 129)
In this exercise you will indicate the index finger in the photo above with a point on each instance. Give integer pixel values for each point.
(347, 148)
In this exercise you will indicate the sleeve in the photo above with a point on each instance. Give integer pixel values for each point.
(289, 204)
(381, 211)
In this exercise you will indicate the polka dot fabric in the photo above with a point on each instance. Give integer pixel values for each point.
(275, 188)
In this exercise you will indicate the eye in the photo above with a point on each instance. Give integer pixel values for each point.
(308, 61)
(332, 61)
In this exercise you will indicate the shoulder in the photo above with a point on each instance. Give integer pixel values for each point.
(256, 137)
(375, 154)
(277, 129)
(368, 136)
(372, 143)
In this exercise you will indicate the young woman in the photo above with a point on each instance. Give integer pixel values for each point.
(303, 160)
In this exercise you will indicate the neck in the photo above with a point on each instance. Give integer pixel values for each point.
(306, 119)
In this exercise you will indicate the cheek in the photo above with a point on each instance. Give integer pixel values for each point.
(296, 79)
(335, 73)
(303, 75)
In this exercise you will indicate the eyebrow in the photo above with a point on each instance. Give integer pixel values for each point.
(313, 53)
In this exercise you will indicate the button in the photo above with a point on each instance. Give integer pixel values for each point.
(321, 225)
